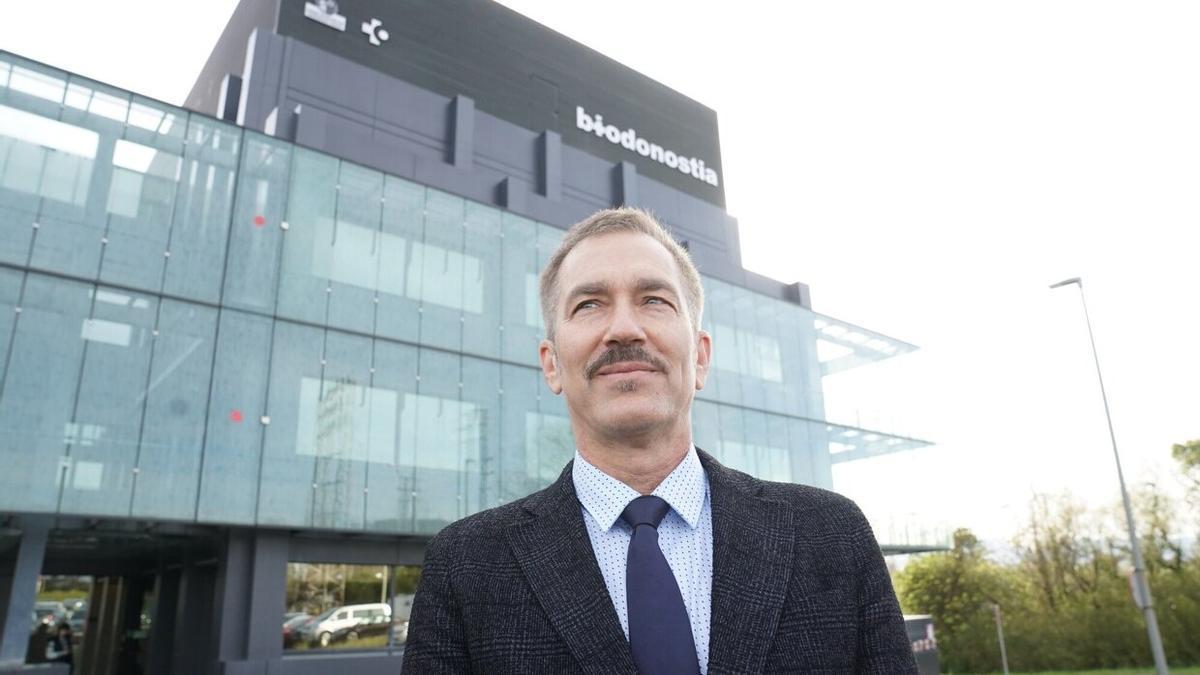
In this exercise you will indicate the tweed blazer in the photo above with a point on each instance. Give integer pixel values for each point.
(799, 585)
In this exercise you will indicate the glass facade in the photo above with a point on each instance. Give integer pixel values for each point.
(202, 323)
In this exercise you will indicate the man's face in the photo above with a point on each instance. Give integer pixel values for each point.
(624, 353)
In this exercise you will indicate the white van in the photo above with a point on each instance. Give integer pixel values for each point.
(322, 629)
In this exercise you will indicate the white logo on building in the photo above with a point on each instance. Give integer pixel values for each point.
(325, 12)
(375, 32)
(629, 139)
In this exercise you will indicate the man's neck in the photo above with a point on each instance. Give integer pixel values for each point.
(641, 467)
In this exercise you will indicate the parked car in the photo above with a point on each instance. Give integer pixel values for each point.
(50, 613)
(373, 625)
(321, 629)
(292, 622)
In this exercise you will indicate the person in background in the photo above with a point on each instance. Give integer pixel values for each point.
(59, 648)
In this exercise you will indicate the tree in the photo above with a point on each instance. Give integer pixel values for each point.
(956, 588)
(1188, 456)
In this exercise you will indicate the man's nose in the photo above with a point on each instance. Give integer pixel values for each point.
(625, 325)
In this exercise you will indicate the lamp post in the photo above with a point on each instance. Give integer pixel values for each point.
(995, 607)
(1139, 565)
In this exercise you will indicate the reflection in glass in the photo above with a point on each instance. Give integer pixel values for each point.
(331, 606)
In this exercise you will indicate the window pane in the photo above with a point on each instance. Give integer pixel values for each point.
(520, 317)
(481, 281)
(102, 438)
(39, 394)
(10, 294)
(200, 224)
(176, 399)
(438, 421)
(518, 401)
(331, 606)
(141, 203)
(233, 442)
(349, 258)
(442, 270)
(480, 442)
(290, 445)
(399, 270)
(390, 471)
(304, 269)
(404, 586)
(256, 233)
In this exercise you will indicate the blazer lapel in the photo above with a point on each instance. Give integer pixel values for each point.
(555, 553)
(752, 564)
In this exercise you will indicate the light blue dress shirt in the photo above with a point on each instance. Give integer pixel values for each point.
(685, 537)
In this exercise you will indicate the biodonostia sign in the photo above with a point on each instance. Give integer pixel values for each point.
(629, 139)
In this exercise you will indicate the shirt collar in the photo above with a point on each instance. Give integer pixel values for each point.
(605, 497)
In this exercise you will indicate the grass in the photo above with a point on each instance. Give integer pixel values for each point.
(1194, 670)
(1147, 670)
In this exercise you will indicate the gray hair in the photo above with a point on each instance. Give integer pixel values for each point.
(620, 220)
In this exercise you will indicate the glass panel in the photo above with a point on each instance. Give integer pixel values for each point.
(39, 393)
(548, 239)
(482, 281)
(304, 268)
(141, 204)
(45, 170)
(732, 452)
(17, 215)
(256, 233)
(202, 210)
(810, 451)
(156, 118)
(176, 402)
(330, 606)
(437, 450)
(399, 268)
(290, 447)
(337, 434)
(390, 477)
(724, 385)
(794, 342)
(348, 252)
(706, 431)
(48, 86)
(521, 317)
(95, 106)
(552, 444)
(102, 438)
(233, 440)
(443, 267)
(404, 586)
(480, 441)
(518, 405)
(10, 294)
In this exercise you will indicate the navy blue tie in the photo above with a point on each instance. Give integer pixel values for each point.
(660, 634)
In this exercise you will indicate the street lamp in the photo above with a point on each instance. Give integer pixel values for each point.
(1139, 565)
(995, 607)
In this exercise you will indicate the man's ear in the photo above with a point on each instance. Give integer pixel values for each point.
(550, 366)
(703, 357)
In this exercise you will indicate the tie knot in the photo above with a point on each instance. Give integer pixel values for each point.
(645, 510)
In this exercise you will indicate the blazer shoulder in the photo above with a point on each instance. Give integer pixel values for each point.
(804, 498)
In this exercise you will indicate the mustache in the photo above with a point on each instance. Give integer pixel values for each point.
(623, 354)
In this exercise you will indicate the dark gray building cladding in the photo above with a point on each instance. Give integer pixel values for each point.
(472, 98)
(254, 353)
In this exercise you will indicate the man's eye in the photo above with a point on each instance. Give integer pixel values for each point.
(586, 304)
(657, 300)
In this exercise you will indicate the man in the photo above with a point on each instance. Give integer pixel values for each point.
(647, 555)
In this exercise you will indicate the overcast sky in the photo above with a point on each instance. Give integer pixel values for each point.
(928, 168)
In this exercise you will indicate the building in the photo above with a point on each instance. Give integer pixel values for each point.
(257, 350)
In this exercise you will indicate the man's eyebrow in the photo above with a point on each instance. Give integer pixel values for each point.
(654, 285)
(588, 288)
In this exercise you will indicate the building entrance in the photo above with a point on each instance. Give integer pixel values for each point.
(110, 598)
